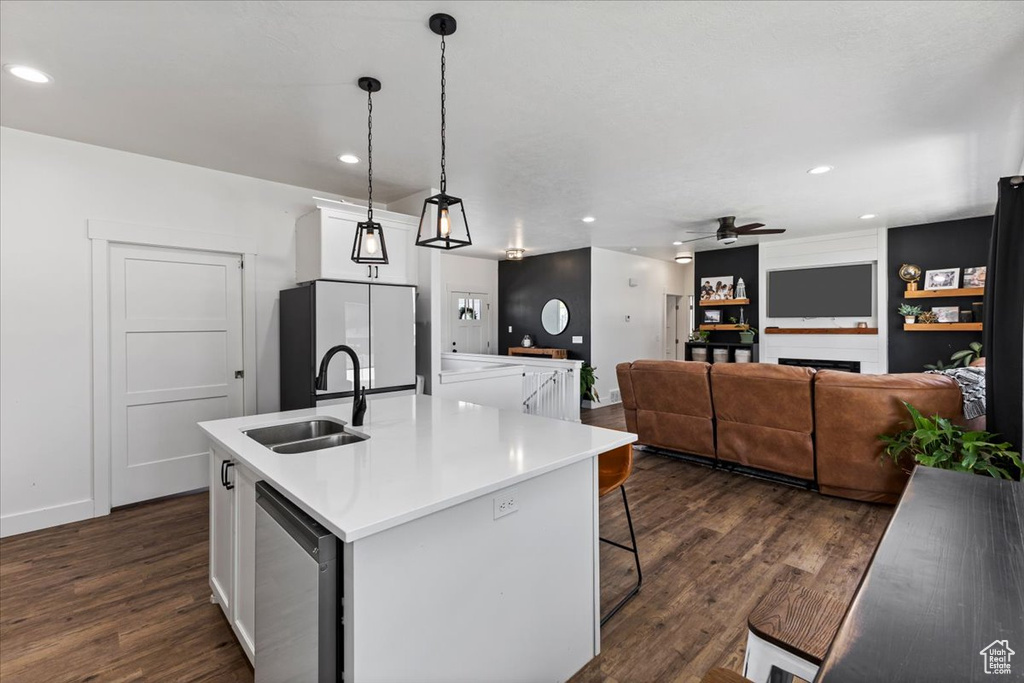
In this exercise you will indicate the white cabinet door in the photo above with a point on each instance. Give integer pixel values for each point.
(222, 533)
(337, 236)
(398, 239)
(392, 336)
(245, 559)
(343, 317)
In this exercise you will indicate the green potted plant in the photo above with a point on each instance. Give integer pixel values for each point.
(909, 312)
(967, 356)
(937, 442)
(747, 335)
(588, 390)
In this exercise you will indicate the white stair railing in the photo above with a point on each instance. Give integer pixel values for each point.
(551, 394)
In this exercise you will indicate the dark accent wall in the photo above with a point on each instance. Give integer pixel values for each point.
(525, 286)
(738, 262)
(949, 244)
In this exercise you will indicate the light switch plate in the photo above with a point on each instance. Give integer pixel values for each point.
(577, 339)
(510, 329)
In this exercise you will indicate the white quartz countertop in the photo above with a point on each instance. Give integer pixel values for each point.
(424, 454)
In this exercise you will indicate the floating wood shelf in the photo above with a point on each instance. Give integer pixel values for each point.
(821, 330)
(557, 354)
(726, 302)
(944, 293)
(942, 327)
(725, 328)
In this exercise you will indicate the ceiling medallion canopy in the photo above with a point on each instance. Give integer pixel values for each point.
(443, 222)
(369, 246)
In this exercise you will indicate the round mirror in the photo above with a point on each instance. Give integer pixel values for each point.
(554, 317)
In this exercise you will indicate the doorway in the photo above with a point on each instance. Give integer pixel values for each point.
(469, 323)
(176, 358)
(676, 318)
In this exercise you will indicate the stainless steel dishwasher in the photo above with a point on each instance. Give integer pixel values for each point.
(298, 616)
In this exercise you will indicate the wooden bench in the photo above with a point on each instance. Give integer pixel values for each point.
(790, 630)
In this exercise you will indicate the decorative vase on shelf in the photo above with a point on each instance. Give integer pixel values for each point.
(908, 319)
(741, 289)
(527, 341)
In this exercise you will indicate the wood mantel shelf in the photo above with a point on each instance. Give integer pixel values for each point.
(556, 354)
(943, 293)
(728, 327)
(725, 302)
(820, 330)
(942, 327)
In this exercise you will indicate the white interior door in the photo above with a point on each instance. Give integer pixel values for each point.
(175, 348)
(469, 322)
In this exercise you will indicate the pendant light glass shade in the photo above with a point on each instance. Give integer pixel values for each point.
(443, 222)
(368, 246)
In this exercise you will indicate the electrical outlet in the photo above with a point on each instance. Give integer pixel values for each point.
(506, 502)
(510, 329)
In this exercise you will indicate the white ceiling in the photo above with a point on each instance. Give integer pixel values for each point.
(654, 117)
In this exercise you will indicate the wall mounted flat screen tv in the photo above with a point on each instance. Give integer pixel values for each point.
(833, 291)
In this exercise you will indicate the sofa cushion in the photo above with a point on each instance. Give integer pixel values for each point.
(622, 373)
(852, 410)
(765, 416)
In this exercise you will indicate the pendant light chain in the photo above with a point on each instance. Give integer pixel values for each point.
(369, 154)
(444, 178)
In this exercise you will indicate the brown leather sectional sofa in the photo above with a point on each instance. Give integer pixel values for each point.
(821, 427)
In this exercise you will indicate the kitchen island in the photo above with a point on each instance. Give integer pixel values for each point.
(469, 536)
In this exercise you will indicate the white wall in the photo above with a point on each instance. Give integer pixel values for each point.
(612, 339)
(862, 246)
(49, 188)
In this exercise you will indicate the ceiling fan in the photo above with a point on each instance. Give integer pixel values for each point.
(728, 232)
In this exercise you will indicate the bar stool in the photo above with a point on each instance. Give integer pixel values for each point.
(614, 468)
(789, 632)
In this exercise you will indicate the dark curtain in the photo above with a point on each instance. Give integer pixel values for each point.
(1004, 314)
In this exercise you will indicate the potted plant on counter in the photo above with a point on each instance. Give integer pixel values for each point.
(909, 313)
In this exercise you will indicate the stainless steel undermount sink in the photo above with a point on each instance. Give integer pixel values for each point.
(302, 437)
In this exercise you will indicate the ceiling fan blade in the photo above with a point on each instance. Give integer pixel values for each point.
(748, 227)
(701, 232)
(772, 231)
(697, 239)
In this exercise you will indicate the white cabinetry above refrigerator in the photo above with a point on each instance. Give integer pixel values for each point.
(323, 245)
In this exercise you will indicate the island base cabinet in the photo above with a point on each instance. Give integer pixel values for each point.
(461, 596)
(233, 545)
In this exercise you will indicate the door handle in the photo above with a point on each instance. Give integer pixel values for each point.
(369, 271)
(224, 474)
(376, 272)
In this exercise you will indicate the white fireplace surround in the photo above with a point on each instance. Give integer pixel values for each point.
(862, 246)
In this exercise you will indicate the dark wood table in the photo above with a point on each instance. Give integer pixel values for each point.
(946, 582)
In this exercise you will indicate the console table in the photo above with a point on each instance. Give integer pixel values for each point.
(945, 585)
(557, 354)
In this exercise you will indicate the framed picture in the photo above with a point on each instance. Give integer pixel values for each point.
(947, 314)
(943, 278)
(712, 316)
(975, 277)
(717, 288)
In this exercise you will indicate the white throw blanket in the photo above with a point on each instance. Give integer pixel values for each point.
(972, 386)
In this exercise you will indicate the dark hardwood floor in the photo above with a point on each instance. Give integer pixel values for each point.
(125, 597)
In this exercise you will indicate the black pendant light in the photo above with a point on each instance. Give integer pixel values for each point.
(447, 228)
(369, 246)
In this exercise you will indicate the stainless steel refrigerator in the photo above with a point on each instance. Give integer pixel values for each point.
(378, 321)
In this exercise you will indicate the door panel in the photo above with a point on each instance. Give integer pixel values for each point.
(343, 317)
(468, 322)
(176, 342)
(393, 336)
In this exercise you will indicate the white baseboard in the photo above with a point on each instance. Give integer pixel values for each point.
(33, 520)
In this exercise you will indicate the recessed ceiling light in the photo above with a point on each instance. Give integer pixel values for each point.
(514, 254)
(27, 73)
(348, 159)
(867, 216)
(684, 258)
(818, 170)
(632, 248)
(588, 219)
(676, 243)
